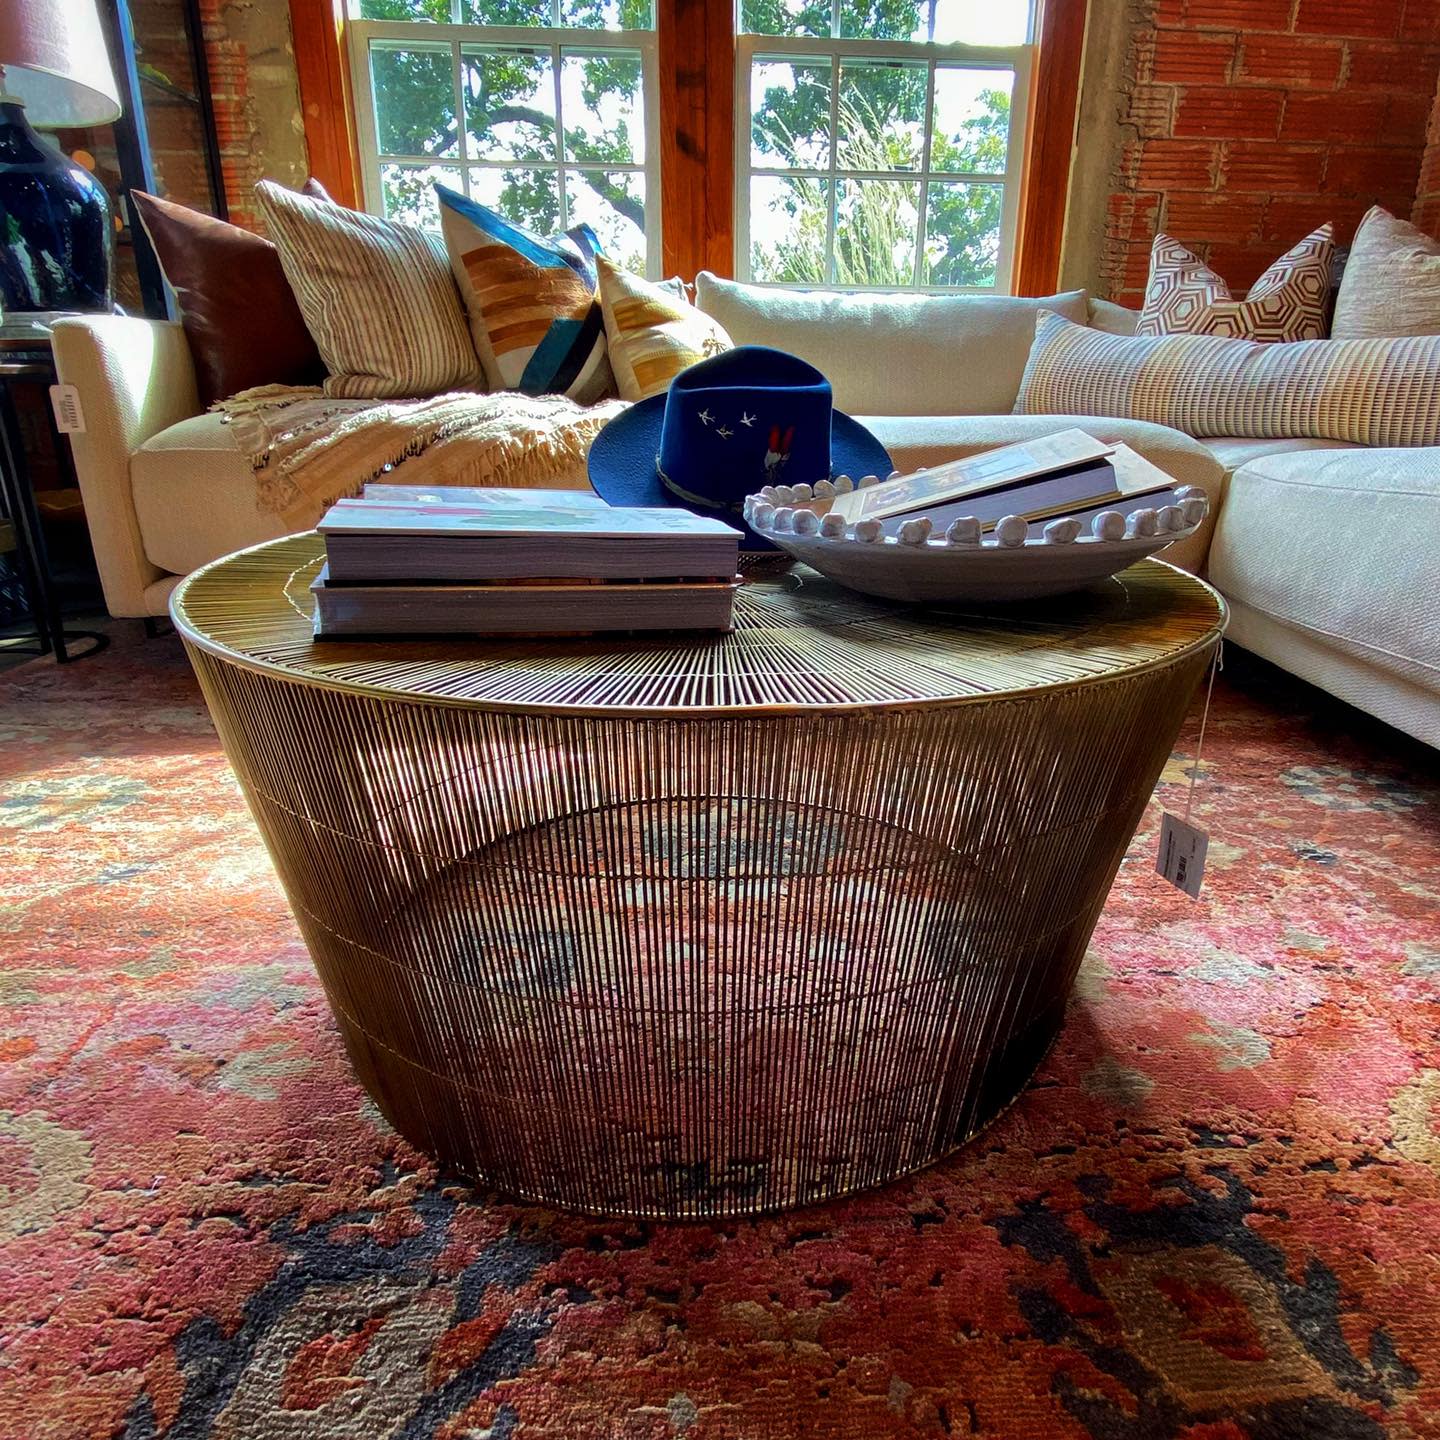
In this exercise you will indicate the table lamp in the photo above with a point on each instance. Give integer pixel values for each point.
(57, 243)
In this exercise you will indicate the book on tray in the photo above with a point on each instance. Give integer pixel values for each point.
(1069, 473)
(453, 560)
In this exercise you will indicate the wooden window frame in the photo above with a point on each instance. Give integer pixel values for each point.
(696, 47)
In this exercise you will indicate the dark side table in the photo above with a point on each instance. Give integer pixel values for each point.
(25, 358)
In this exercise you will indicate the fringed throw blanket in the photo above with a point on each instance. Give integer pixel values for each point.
(308, 449)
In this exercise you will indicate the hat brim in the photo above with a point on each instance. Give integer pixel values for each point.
(622, 460)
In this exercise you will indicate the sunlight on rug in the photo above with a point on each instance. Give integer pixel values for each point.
(1215, 1214)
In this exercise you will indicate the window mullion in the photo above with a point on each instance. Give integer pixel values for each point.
(922, 220)
(833, 198)
(560, 152)
(462, 118)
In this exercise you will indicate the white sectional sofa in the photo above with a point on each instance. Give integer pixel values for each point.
(1301, 546)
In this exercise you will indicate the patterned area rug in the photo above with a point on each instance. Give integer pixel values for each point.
(1214, 1215)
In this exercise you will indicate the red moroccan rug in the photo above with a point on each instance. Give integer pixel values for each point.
(1214, 1215)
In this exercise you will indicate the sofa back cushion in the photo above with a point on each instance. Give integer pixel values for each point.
(893, 354)
(1369, 392)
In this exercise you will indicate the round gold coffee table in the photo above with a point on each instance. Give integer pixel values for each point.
(699, 925)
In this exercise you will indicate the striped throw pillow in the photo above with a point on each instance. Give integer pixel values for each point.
(1369, 392)
(1185, 296)
(534, 315)
(377, 298)
(652, 332)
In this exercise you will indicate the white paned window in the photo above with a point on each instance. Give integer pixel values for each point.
(541, 109)
(879, 142)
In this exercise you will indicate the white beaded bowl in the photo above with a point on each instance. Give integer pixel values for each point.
(938, 567)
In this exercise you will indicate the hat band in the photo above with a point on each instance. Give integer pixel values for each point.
(736, 507)
(690, 498)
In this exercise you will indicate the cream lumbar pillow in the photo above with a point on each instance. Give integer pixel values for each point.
(377, 298)
(1391, 284)
(653, 333)
(1185, 296)
(1369, 392)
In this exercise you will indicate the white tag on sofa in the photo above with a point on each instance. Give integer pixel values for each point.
(1182, 854)
(65, 402)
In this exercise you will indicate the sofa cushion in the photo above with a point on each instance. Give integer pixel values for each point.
(236, 306)
(1391, 282)
(1372, 392)
(914, 440)
(1335, 545)
(377, 297)
(1233, 451)
(893, 354)
(194, 496)
(1184, 296)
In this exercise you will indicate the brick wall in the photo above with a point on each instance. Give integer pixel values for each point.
(1427, 192)
(1249, 122)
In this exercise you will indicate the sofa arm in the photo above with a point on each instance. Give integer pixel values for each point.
(135, 378)
(931, 440)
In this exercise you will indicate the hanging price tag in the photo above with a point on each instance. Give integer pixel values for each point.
(1183, 846)
(1182, 854)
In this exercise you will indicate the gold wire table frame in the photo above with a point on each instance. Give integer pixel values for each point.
(699, 926)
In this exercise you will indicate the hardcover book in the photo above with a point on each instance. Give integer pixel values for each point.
(518, 609)
(999, 469)
(543, 537)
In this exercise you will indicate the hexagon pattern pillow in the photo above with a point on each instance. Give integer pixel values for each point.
(1288, 302)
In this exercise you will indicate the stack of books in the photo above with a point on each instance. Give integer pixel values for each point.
(466, 561)
(1069, 473)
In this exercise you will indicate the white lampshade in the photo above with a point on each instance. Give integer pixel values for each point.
(55, 59)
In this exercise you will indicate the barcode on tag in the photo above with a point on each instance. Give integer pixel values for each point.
(1182, 854)
(69, 417)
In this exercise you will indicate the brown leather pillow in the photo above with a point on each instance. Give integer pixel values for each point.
(236, 306)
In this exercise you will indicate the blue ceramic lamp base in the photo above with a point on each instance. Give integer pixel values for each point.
(56, 239)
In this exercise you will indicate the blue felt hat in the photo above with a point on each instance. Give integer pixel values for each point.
(746, 418)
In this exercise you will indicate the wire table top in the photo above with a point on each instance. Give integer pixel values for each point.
(800, 643)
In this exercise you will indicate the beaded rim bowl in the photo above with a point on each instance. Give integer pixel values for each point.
(962, 563)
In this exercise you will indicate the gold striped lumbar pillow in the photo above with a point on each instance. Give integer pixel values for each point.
(1369, 392)
(653, 332)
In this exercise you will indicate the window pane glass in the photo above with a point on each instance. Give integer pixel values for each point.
(790, 114)
(603, 102)
(506, 12)
(785, 17)
(528, 197)
(509, 103)
(881, 115)
(962, 234)
(414, 100)
(613, 205)
(787, 229)
(608, 14)
(947, 22)
(437, 11)
(409, 192)
(877, 227)
(972, 120)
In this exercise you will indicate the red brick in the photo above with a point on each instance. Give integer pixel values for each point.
(1266, 167)
(1151, 110)
(1241, 265)
(1193, 219)
(1183, 58)
(1344, 115)
(1368, 173)
(1407, 118)
(1378, 18)
(1176, 165)
(1228, 114)
(1238, 14)
(1427, 215)
(1421, 20)
(1294, 63)
(1289, 218)
(1412, 68)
